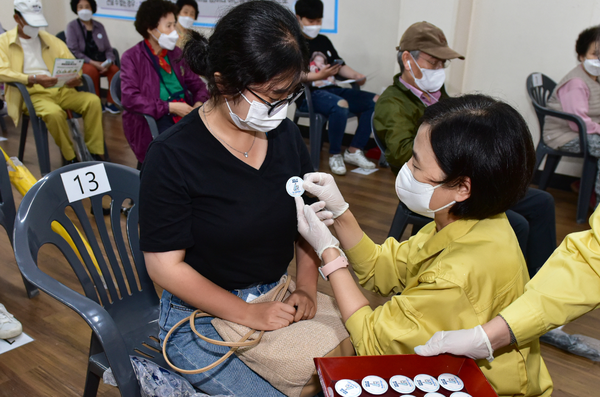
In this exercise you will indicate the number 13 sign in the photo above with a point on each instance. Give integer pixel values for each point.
(85, 182)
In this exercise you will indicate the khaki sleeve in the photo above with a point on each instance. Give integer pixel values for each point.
(565, 288)
(7, 75)
(380, 268)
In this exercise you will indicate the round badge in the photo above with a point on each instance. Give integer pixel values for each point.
(426, 383)
(460, 394)
(374, 385)
(402, 384)
(330, 392)
(434, 394)
(348, 388)
(294, 186)
(99, 35)
(451, 382)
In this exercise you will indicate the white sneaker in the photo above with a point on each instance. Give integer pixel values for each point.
(358, 159)
(9, 326)
(336, 163)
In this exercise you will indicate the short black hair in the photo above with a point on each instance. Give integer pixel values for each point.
(192, 3)
(255, 43)
(585, 39)
(311, 9)
(92, 4)
(150, 13)
(18, 14)
(488, 141)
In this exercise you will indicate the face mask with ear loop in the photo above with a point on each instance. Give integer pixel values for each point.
(186, 22)
(258, 118)
(31, 31)
(416, 195)
(432, 80)
(167, 41)
(592, 66)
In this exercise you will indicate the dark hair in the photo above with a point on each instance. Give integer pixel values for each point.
(311, 9)
(92, 4)
(254, 43)
(488, 141)
(415, 54)
(585, 39)
(18, 13)
(192, 3)
(150, 13)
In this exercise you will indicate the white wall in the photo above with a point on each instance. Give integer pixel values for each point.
(503, 41)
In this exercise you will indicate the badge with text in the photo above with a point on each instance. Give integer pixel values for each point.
(85, 182)
(294, 186)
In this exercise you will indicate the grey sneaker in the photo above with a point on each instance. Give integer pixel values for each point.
(9, 326)
(358, 159)
(336, 163)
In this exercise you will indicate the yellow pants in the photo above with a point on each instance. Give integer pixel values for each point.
(49, 104)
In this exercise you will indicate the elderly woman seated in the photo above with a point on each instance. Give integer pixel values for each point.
(473, 158)
(155, 79)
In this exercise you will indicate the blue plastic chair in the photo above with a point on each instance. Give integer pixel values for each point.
(123, 323)
(539, 95)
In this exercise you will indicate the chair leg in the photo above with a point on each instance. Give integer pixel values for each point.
(551, 164)
(315, 135)
(92, 381)
(3, 125)
(399, 222)
(24, 126)
(32, 291)
(106, 156)
(588, 181)
(540, 152)
(41, 144)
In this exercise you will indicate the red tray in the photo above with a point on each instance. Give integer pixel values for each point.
(332, 369)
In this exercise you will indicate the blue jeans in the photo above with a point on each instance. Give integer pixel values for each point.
(187, 351)
(325, 101)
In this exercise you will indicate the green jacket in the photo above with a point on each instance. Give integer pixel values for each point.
(396, 121)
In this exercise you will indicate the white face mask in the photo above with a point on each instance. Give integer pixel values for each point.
(432, 80)
(85, 14)
(416, 195)
(258, 118)
(311, 30)
(167, 41)
(31, 31)
(592, 66)
(186, 22)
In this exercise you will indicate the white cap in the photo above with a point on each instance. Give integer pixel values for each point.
(32, 12)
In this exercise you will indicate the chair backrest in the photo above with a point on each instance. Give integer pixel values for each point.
(117, 57)
(7, 204)
(378, 141)
(61, 35)
(47, 201)
(539, 88)
(115, 89)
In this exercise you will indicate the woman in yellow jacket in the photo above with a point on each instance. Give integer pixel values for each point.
(565, 288)
(472, 159)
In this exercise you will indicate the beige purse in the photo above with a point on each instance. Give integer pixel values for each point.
(283, 357)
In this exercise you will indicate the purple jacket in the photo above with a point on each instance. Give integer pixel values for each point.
(76, 40)
(140, 93)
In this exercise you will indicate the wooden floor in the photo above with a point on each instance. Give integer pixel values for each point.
(55, 363)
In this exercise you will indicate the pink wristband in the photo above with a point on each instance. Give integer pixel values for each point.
(332, 266)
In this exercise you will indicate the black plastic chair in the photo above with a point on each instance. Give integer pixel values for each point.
(7, 216)
(380, 144)
(403, 216)
(115, 92)
(40, 132)
(539, 95)
(316, 126)
(123, 323)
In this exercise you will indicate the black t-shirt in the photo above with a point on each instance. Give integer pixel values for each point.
(237, 224)
(321, 53)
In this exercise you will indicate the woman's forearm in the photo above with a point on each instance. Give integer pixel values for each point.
(348, 230)
(497, 332)
(307, 263)
(176, 276)
(347, 294)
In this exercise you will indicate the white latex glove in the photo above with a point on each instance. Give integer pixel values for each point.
(323, 186)
(473, 343)
(325, 216)
(313, 229)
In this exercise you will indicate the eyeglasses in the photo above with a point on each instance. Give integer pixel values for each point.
(436, 63)
(276, 106)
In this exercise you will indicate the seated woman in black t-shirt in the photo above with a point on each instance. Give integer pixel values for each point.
(217, 225)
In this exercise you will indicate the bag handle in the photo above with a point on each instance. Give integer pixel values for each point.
(280, 291)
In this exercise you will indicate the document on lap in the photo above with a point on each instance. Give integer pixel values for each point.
(66, 69)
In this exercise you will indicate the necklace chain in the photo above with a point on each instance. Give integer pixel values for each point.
(222, 141)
